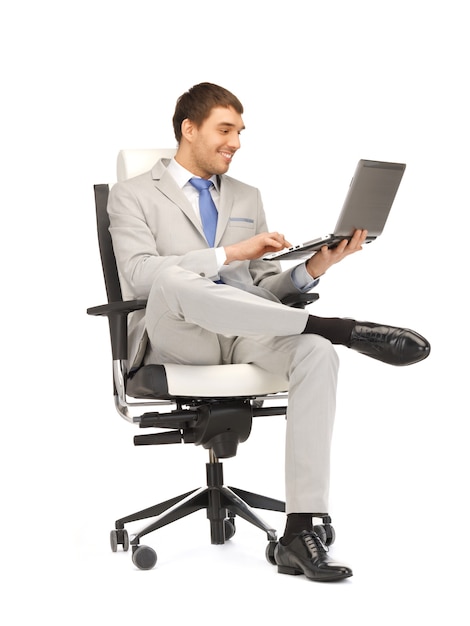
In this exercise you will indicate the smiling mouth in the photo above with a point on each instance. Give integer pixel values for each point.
(227, 155)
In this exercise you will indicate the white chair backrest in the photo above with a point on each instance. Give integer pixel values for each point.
(134, 162)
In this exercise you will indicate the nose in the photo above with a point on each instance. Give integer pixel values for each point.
(234, 141)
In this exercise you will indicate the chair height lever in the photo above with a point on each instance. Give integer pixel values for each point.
(156, 439)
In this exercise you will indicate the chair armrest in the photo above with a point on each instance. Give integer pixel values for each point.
(300, 300)
(117, 313)
(117, 308)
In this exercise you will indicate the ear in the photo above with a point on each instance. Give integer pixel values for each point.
(188, 129)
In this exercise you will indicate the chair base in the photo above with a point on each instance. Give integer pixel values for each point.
(221, 503)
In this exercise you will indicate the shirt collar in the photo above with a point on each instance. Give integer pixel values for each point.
(182, 175)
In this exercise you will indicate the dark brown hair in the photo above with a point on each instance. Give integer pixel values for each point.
(197, 103)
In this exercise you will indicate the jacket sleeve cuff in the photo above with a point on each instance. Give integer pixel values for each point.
(302, 279)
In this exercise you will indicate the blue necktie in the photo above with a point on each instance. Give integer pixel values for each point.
(207, 208)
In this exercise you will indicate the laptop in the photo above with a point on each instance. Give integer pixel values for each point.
(367, 206)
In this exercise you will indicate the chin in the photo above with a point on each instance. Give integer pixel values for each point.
(223, 169)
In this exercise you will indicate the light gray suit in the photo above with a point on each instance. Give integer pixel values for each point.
(162, 255)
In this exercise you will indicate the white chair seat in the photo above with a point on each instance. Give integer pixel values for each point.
(222, 381)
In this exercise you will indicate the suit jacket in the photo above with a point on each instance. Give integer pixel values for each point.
(153, 226)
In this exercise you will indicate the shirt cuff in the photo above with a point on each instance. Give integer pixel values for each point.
(220, 257)
(302, 279)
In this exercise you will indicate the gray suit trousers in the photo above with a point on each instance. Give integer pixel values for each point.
(191, 320)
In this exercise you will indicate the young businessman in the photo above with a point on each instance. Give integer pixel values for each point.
(190, 239)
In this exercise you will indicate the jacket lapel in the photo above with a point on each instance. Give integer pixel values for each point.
(225, 207)
(166, 184)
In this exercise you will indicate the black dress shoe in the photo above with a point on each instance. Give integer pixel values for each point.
(306, 554)
(395, 346)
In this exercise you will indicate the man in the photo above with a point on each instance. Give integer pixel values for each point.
(212, 299)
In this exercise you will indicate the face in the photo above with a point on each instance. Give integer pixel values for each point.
(209, 149)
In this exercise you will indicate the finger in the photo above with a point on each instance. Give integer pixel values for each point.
(275, 242)
(341, 247)
(283, 240)
(357, 236)
(363, 236)
(357, 240)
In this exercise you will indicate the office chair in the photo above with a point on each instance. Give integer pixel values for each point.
(209, 406)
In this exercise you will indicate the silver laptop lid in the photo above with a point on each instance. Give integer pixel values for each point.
(370, 197)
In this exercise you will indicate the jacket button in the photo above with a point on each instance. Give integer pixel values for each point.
(202, 274)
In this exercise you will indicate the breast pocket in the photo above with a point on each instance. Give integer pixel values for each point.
(241, 222)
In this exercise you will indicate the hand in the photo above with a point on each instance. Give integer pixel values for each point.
(255, 247)
(326, 257)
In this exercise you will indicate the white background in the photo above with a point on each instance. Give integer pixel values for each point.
(323, 84)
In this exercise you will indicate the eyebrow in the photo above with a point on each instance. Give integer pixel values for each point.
(230, 125)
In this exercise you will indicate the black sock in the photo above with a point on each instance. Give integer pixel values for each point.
(296, 523)
(336, 329)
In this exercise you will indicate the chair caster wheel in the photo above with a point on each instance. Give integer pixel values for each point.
(326, 532)
(270, 552)
(144, 557)
(119, 538)
(229, 528)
